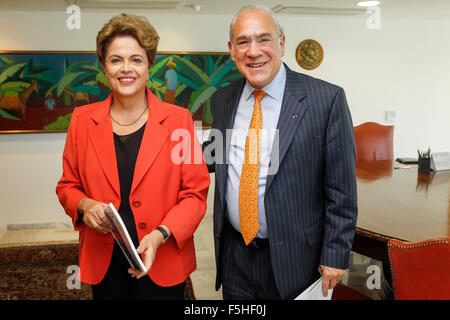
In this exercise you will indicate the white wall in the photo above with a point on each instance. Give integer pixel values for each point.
(404, 66)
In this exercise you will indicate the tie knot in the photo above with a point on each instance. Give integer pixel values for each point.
(259, 94)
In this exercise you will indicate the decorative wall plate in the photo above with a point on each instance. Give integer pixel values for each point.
(309, 54)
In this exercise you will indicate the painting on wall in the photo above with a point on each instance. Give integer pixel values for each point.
(39, 90)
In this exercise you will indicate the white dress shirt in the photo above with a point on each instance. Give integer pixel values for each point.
(270, 106)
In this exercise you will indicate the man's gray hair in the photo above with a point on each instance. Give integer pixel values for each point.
(256, 7)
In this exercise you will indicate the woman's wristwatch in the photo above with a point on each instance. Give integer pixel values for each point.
(164, 233)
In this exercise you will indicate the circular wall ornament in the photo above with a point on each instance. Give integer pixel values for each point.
(309, 54)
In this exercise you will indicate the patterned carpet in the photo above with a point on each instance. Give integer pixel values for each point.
(41, 272)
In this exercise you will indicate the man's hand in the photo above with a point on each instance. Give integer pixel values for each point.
(330, 278)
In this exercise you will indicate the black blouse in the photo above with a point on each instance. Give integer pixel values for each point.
(127, 149)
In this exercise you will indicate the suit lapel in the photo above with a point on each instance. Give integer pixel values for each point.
(153, 139)
(101, 136)
(229, 108)
(291, 114)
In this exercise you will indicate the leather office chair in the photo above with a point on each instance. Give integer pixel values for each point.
(343, 292)
(420, 270)
(374, 142)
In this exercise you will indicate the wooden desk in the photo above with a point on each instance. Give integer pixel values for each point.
(399, 203)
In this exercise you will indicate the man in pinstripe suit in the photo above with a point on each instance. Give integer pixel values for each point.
(306, 197)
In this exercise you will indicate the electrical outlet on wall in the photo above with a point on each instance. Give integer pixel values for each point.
(391, 115)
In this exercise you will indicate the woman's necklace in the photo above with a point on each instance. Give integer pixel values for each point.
(129, 124)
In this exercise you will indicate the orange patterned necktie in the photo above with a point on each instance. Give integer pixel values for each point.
(248, 187)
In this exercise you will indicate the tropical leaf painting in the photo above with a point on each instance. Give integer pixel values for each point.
(39, 90)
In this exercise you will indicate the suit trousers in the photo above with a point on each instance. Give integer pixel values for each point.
(246, 271)
(119, 285)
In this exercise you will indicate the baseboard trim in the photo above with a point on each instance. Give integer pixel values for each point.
(34, 226)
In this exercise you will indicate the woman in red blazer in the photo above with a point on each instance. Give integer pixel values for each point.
(142, 155)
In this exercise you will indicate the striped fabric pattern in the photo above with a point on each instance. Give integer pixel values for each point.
(311, 200)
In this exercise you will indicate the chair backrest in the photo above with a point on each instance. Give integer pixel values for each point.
(420, 270)
(374, 142)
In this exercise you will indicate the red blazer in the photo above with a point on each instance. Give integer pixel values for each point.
(163, 191)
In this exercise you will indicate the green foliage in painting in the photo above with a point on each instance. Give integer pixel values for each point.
(61, 124)
(199, 76)
(79, 79)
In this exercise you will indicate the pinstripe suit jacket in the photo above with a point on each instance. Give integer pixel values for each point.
(310, 202)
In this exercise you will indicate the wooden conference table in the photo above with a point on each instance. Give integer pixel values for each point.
(399, 204)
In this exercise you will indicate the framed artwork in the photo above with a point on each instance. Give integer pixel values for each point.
(39, 90)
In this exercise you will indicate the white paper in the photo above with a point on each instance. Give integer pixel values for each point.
(440, 161)
(122, 237)
(314, 292)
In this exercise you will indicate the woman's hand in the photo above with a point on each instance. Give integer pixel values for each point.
(148, 246)
(94, 214)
